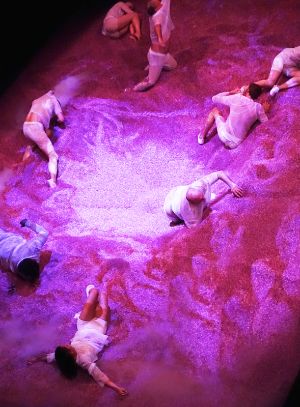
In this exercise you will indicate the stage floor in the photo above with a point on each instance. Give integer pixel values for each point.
(208, 317)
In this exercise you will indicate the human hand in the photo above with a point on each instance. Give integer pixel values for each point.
(23, 222)
(30, 361)
(122, 392)
(237, 191)
(234, 91)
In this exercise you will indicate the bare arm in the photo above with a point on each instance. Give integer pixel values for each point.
(235, 189)
(39, 358)
(102, 379)
(120, 390)
(158, 32)
(126, 9)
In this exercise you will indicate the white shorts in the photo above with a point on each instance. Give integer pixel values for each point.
(224, 135)
(96, 324)
(165, 61)
(36, 133)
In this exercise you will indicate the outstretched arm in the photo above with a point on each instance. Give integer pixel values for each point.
(42, 357)
(235, 189)
(102, 380)
(215, 176)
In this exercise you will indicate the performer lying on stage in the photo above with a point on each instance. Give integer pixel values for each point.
(22, 256)
(38, 128)
(88, 341)
(243, 114)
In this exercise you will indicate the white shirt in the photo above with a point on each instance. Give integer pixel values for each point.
(190, 213)
(290, 56)
(14, 248)
(243, 113)
(161, 17)
(46, 107)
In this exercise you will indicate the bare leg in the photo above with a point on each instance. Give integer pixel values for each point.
(208, 125)
(103, 310)
(294, 81)
(52, 167)
(271, 81)
(89, 309)
(135, 28)
(27, 153)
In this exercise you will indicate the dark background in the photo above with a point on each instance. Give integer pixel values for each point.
(27, 25)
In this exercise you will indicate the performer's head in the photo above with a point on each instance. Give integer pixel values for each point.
(29, 270)
(254, 91)
(153, 6)
(65, 357)
(195, 194)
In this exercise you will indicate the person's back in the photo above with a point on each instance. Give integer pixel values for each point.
(45, 107)
(290, 56)
(243, 114)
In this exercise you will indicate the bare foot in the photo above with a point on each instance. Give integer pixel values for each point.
(201, 139)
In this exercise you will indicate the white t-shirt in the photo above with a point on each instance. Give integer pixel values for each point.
(88, 341)
(243, 113)
(161, 17)
(190, 213)
(290, 57)
(46, 107)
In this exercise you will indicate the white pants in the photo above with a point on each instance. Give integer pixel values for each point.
(157, 62)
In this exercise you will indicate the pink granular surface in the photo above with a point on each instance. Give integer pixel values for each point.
(208, 317)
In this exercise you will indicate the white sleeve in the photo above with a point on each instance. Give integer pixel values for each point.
(211, 178)
(50, 357)
(223, 98)
(262, 117)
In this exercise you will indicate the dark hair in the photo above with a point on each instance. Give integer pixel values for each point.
(151, 10)
(28, 269)
(254, 90)
(66, 362)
